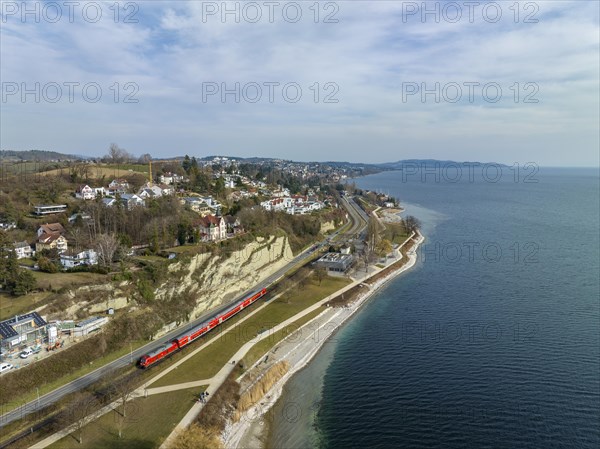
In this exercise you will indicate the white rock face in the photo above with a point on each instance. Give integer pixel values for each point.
(216, 279)
(213, 279)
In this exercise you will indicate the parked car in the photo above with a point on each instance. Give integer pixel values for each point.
(26, 353)
(4, 367)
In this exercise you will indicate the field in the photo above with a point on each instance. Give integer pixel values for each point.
(11, 305)
(56, 281)
(149, 422)
(210, 360)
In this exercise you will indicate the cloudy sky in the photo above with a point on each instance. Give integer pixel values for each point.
(349, 80)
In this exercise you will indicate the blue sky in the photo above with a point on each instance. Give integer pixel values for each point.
(173, 51)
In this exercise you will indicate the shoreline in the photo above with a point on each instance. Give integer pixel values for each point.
(252, 431)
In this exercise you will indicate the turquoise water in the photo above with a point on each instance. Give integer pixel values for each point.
(493, 340)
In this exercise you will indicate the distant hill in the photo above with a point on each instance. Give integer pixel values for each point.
(36, 155)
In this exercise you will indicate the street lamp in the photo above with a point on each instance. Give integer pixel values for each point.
(38, 397)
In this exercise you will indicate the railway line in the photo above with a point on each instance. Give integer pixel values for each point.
(359, 221)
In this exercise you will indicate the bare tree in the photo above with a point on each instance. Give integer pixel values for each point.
(106, 245)
(321, 274)
(123, 390)
(81, 406)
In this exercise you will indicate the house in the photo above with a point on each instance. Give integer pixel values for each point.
(212, 228)
(51, 241)
(22, 329)
(8, 225)
(335, 262)
(109, 202)
(85, 192)
(50, 228)
(51, 236)
(23, 249)
(72, 259)
(196, 204)
(83, 215)
(170, 178)
(155, 191)
(131, 200)
(233, 225)
(118, 187)
(49, 209)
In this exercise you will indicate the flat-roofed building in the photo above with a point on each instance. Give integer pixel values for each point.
(22, 329)
(49, 209)
(335, 262)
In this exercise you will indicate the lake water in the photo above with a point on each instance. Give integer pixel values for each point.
(491, 341)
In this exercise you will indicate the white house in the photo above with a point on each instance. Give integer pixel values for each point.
(118, 186)
(23, 249)
(85, 192)
(131, 200)
(75, 259)
(212, 228)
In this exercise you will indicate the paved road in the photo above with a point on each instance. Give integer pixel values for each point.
(90, 378)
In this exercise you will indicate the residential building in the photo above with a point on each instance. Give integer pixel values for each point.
(72, 259)
(51, 236)
(118, 187)
(131, 200)
(196, 204)
(85, 192)
(8, 225)
(212, 228)
(50, 228)
(49, 209)
(170, 178)
(23, 249)
(22, 329)
(51, 241)
(233, 225)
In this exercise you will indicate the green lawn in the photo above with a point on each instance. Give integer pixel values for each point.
(211, 359)
(149, 422)
(260, 348)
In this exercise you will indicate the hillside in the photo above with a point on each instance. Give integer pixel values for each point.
(36, 155)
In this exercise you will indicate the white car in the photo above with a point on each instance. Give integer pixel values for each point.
(4, 367)
(26, 353)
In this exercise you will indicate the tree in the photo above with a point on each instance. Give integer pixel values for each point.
(123, 389)
(384, 247)
(411, 224)
(144, 158)
(106, 245)
(320, 273)
(24, 282)
(372, 233)
(81, 406)
(187, 164)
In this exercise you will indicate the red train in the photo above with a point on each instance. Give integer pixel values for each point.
(189, 336)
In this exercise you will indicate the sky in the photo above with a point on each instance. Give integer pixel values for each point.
(376, 81)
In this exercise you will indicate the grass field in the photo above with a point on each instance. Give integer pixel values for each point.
(210, 360)
(60, 280)
(11, 305)
(149, 421)
(260, 348)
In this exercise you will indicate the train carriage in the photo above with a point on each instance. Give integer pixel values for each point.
(189, 336)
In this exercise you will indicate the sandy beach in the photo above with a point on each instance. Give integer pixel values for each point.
(297, 350)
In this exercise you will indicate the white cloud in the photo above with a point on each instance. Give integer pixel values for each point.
(369, 53)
